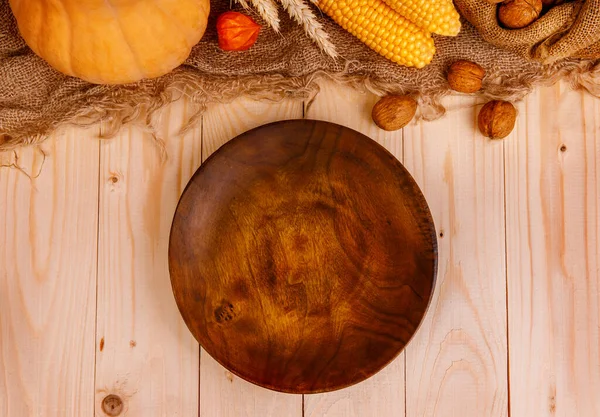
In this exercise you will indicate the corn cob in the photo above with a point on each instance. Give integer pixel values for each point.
(436, 16)
(383, 30)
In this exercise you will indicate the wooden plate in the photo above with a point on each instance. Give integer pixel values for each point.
(302, 256)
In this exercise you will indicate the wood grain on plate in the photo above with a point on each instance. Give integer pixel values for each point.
(302, 256)
(223, 394)
(383, 394)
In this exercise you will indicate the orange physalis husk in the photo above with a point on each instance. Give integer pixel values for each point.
(236, 31)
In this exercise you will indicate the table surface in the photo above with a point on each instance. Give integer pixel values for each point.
(86, 308)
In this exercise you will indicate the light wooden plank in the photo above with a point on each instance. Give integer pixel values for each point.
(383, 394)
(380, 395)
(221, 393)
(145, 353)
(553, 229)
(48, 247)
(456, 364)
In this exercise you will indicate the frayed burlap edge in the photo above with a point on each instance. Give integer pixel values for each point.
(142, 106)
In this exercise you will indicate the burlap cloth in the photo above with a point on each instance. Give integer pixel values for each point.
(35, 99)
(566, 30)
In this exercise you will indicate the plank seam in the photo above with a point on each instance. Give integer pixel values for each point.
(97, 269)
(200, 347)
(402, 150)
(508, 410)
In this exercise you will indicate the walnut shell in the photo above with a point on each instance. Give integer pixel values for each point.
(516, 14)
(551, 3)
(394, 112)
(497, 119)
(465, 76)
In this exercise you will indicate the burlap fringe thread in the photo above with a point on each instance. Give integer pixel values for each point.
(142, 108)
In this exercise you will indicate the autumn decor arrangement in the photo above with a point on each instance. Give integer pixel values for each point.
(67, 61)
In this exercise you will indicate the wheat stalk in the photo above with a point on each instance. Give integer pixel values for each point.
(242, 3)
(268, 11)
(302, 13)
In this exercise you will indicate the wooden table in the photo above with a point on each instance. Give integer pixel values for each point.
(86, 308)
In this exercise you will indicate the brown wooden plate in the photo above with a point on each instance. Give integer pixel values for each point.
(302, 256)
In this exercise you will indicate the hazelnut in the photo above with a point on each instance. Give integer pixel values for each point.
(516, 14)
(394, 112)
(465, 76)
(497, 119)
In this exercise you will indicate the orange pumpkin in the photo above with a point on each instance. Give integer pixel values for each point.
(112, 41)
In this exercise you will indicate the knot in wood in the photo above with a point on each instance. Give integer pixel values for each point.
(225, 313)
(112, 405)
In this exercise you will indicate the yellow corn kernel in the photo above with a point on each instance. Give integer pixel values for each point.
(436, 16)
(405, 43)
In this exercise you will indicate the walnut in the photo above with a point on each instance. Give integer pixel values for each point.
(497, 119)
(465, 76)
(394, 112)
(551, 3)
(516, 14)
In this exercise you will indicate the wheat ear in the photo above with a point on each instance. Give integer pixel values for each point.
(302, 13)
(243, 3)
(268, 11)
